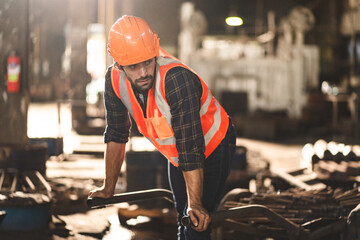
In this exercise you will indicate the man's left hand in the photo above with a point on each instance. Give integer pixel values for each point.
(200, 218)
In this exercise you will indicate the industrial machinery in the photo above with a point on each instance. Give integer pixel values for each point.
(298, 204)
(292, 214)
(270, 81)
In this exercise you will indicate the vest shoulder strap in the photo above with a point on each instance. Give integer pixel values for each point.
(115, 75)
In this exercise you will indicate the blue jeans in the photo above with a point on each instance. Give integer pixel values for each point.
(216, 170)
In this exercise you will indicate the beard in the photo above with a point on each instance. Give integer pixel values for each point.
(144, 83)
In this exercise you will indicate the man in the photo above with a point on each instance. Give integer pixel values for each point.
(175, 110)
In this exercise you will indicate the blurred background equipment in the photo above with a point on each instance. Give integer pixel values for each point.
(287, 73)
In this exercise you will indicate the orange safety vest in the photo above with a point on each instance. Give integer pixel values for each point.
(157, 125)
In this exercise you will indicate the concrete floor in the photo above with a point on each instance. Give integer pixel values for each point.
(84, 171)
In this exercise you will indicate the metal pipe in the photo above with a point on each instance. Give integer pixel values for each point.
(43, 181)
(130, 196)
(251, 210)
(2, 172)
(262, 231)
(14, 182)
(29, 182)
(332, 228)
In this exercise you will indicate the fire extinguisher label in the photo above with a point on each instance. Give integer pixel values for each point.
(13, 72)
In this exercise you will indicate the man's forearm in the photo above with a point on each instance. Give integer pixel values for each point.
(199, 216)
(114, 158)
(194, 186)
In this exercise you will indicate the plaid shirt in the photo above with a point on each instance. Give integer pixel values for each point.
(183, 92)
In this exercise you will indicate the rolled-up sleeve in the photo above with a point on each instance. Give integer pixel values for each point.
(118, 122)
(183, 92)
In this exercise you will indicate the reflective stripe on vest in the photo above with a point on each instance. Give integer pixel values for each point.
(213, 117)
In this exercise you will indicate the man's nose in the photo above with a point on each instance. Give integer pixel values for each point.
(143, 71)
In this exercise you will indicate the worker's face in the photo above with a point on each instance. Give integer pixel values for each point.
(141, 74)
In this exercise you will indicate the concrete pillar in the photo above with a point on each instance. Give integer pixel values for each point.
(79, 13)
(14, 35)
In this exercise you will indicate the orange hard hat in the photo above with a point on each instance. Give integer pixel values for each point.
(131, 41)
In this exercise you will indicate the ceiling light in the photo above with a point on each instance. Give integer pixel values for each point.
(234, 21)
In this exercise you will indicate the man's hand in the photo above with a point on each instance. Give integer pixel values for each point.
(100, 193)
(200, 218)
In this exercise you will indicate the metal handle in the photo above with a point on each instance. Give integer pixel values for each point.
(186, 221)
(130, 196)
(250, 210)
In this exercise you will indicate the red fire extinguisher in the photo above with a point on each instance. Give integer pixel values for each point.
(13, 73)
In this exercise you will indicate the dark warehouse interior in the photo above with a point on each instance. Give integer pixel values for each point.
(288, 77)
